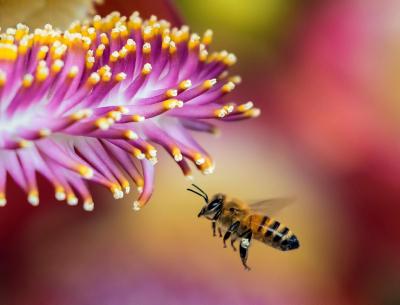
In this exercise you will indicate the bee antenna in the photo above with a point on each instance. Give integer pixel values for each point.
(203, 192)
(201, 195)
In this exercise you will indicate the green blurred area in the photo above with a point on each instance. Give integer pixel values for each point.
(247, 28)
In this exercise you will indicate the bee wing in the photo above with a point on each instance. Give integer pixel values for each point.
(270, 206)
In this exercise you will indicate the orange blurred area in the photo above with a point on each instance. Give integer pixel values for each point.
(325, 76)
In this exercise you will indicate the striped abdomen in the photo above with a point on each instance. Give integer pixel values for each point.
(272, 232)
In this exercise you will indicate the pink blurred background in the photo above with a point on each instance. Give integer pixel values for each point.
(325, 74)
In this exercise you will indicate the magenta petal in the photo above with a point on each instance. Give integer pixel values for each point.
(90, 103)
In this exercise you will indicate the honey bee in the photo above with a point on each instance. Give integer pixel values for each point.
(236, 219)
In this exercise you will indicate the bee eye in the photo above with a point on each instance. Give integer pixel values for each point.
(213, 205)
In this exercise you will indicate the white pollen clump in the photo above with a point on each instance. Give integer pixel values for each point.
(72, 201)
(3, 202)
(33, 200)
(245, 243)
(60, 196)
(136, 206)
(88, 206)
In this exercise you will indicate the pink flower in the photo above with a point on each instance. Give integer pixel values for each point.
(90, 103)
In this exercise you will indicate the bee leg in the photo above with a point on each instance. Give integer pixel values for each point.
(244, 247)
(219, 232)
(232, 229)
(214, 220)
(213, 225)
(232, 243)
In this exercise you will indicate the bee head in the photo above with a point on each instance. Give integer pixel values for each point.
(212, 208)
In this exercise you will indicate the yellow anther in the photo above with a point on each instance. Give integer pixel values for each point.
(194, 41)
(207, 167)
(25, 143)
(88, 205)
(71, 199)
(114, 115)
(170, 104)
(3, 78)
(81, 114)
(42, 52)
(228, 87)
(44, 132)
(172, 48)
(166, 42)
(230, 60)
(114, 56)
(8, 51)
(137, 118)
(73, 72)
(130, 45)
(244, 107)
(208, 84)
(33, 197)
(100, 50)
(151, 151)
(106, 77)
(171, 93)
(120, 77)
(184, 85)
(123, 52)
(207, 37)
(236, 79)
(122, 109)
(42, 73)
(135, 23)
(148, 33)
(146, 48)
(130, 135)
(222, 55)
(220, 113)
(3, 199)
(115, 33)
(90, 60)
(94, 78)
(229, 108)
(59, 192)
(102, 123)
(203, 55)
(57, 65)
(138, 153)
(253, 113)
(198, 158)
(104, 39)
(84, 171)
(177, 154)
(125, 185)
(146, 69)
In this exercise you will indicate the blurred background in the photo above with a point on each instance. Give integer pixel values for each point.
(325, 74)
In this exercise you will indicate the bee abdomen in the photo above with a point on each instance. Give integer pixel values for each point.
(271, 229)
